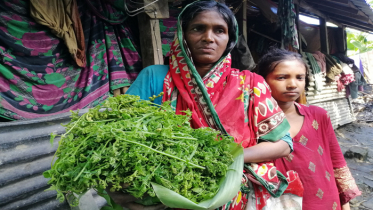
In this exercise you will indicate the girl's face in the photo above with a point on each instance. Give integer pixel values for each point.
(287, 80)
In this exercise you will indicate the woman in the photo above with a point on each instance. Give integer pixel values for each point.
(317, 157)
(200, 78)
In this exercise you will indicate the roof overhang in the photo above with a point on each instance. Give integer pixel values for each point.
(352, 13)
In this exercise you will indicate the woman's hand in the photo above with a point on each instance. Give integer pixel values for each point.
(128, 201)
(346, 206)
(266, 151)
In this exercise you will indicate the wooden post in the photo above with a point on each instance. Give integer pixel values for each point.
(150, 40)
(324, 36)
(244, 19)
(150, 35)
(302, 98)
(298, 29)
(344, 39)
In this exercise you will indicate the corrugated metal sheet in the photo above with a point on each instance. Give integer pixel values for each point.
(25, 153)
(329, 92)
(333, 101)
(364, 7)
(339, 111)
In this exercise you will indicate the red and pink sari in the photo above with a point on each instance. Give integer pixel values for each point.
(238, 103)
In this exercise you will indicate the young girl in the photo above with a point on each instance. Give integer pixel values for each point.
(317, 157)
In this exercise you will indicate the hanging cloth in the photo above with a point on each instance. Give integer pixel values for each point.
(38, 77)
(314, 66)
(112, 12)
(315, 78)
(62, 17)
(333, 68)
(287, 16)
(347, 75)
(316, 71)
(320, 59)
(343, 58)
(358, 83)
(241, 55)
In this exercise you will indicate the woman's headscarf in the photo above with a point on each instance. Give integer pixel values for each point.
(236, 103)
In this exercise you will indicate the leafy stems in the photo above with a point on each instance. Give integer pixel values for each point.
(138, 142)
(168, 155)
(190, 158)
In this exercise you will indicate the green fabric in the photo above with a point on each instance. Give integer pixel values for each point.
(113, 17)
(314, 66)
(270, 188)
(305, 59)
(337, 59)
(287, 16)
(279, 132)
(168, 28)
(38, 76)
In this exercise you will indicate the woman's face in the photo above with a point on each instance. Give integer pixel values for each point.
(207, 37)
(287, 80)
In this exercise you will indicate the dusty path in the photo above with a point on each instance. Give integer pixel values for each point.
(356, 141)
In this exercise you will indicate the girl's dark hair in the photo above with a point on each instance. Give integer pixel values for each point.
(275, 56)
(200, 6)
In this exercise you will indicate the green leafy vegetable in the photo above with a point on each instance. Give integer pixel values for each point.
(128, 140)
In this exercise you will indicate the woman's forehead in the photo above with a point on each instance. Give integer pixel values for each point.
(209, 16)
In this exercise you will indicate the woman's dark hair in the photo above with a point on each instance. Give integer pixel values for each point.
(275, 56)
(200, 6)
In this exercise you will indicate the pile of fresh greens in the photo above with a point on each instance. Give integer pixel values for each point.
(128, 140)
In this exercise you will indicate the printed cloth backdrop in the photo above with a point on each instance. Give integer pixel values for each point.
(39, 78)
(168, 28)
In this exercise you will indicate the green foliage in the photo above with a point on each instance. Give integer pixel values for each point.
(137, 142)
(111, 205)
(358, 42)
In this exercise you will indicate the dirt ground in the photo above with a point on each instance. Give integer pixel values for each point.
(356, 141)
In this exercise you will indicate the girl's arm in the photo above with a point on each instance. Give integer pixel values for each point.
(346, 206)
(266, 151)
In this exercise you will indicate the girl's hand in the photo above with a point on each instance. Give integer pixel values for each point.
(346, 206)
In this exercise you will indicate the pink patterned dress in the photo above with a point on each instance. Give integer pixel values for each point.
(319, 161)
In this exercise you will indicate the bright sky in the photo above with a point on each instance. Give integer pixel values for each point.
(313, 21)
(309, 20)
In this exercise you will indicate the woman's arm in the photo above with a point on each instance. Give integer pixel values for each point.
(268, 123)
(266, 151)
(149, 82)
